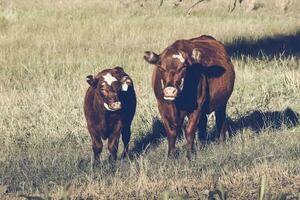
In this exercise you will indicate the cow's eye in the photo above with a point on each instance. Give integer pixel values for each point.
(161, 69)
(182, 69)
(104, 91)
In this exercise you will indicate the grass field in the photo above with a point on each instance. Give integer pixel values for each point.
(48, 47)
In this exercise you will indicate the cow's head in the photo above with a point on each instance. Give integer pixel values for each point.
(108, 84)
(172, 66)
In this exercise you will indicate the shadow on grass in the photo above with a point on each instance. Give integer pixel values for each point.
(256, 121)
(283, 45)
(150, 139)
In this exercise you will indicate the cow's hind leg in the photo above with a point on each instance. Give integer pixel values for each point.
(126, 133)
(221, 123)
(202, 128)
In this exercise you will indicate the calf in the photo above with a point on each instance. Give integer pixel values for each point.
(192, 78)
(109, 107)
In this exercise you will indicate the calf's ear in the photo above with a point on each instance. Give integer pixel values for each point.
(119, 72)
(151, 57)
(92, 81)
(119, 69)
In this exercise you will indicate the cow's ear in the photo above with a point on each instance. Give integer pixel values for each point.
(151, 57)
(92, 81)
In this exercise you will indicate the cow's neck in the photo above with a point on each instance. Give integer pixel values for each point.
(193, 90)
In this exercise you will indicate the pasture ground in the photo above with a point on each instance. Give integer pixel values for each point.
(48, 47)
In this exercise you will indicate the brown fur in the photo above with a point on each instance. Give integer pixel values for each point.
(103, 124)
(207, 87)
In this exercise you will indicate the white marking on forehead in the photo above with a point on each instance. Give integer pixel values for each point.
(179, 56)
(109, 79)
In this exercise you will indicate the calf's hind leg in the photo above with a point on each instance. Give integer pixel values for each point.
(126, 133)
(113, 141)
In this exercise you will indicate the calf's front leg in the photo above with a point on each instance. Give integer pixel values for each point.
(97, 144)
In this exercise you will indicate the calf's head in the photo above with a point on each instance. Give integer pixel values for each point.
(108, 84)
(172, 68)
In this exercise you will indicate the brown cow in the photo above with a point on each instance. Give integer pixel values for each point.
(192, 78)
(109, 107)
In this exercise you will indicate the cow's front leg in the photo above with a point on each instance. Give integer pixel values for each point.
(190, 131)
(171, 131)
(113, 141)
(172, 136)
(172, 121)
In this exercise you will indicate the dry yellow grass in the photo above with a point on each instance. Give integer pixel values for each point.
(48, 47)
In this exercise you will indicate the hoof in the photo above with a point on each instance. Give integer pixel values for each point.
(124, 155)
(112, 159)
(96, 163)
(173, 154)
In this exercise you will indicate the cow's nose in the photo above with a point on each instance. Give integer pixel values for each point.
(116, 105)
(170, 92)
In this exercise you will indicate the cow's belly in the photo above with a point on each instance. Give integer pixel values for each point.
(220, 89)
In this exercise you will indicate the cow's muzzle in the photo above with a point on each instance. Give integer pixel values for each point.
(170, 93)
(113, 106)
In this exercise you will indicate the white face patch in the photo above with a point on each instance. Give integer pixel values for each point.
(179, 56)
(109, 79)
